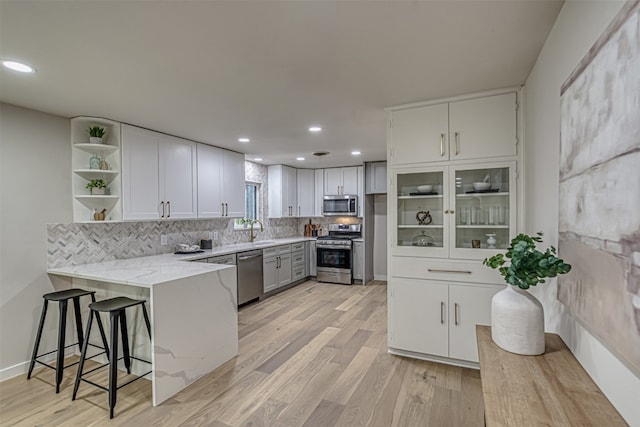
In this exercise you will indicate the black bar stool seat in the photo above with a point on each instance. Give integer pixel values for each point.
(62, 298)
(116, 309)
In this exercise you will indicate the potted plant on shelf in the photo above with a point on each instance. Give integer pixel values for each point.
(97, 186)
(517, 317)
(95, 134)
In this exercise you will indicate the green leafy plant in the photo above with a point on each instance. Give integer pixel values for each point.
(96, 131)
(96, 183)
(528, 265)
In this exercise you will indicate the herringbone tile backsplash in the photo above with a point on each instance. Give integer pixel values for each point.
(75, 244)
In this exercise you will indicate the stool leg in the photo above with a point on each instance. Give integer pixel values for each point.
(102, 334)
(38, 337)
(83, 355)
(125, 341)
(146, 320)
(113, 363)
(76, 310)
(62, 330)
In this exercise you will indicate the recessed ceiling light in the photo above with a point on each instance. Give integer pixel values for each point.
(18, 66)
(244, 139)
(315, 129)
(355, 153)
(300, 158)
(258, 159)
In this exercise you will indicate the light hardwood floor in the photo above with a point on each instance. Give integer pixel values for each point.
(314, 355)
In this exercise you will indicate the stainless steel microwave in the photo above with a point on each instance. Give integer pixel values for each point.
(340, 205)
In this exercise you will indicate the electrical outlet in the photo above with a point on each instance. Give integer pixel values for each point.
(163, 239)
(215, 235)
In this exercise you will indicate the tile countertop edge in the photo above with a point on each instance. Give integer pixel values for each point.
(157, 269)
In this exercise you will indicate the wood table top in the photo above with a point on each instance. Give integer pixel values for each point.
(551, 389)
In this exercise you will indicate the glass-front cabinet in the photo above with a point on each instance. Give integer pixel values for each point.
(457, 211)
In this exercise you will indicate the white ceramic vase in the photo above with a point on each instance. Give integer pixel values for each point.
(517, 321)
(95, 140)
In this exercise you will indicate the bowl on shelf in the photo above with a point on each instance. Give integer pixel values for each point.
(481, 186)
(427, 188)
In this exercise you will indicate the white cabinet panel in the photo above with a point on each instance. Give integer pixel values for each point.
(210, 160)
(419, 318)
(270, 274)
(178, 177)
(319, 191)
(233, 185)
(333, 181)
(360, 192)
(221, 187)
(420, 135)
(140, 175)
(350, 180)
(468, 306)
(376, 178)
(358, 260)
(483, 127)
(282, 192)
(284, 270)
(306, 192)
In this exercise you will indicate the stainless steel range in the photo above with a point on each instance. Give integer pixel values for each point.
(334, 253)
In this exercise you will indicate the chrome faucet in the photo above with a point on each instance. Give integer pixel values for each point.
(252, 237)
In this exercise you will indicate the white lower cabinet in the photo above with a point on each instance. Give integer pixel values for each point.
(358, 260)
(438, 318)
(276, 267)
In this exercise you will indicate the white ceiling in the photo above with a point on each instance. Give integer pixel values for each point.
(213, 71)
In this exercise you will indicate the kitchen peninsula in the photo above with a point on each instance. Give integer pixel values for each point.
(194, 317)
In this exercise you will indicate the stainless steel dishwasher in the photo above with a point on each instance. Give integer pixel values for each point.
(249, 276)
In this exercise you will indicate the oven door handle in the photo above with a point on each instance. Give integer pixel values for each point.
(346, 248)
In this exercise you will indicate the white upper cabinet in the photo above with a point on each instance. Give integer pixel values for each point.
(420, 135)
(376, 178)
(159, 175)
(306, 192)
(233, 186)
(140, 173)
(468, 129)
(178, 177)
(341, 180)
(220, 183)
(282, 192)
(483, 127)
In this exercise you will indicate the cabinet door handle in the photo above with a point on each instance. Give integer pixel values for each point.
(299, 210)
(222, 209)
(436, 270)
(226, 209)
(455, 313)
(447, 211)
(441, 313)
(441, 144)
(457, 134)
(169, 209)
(162, 204)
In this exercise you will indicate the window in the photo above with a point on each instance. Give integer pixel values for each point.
(251, 206)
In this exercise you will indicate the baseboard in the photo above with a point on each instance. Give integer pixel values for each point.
(14, 371)
(431, 358)
(380, 277)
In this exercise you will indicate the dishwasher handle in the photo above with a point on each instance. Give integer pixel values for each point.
(246, 257)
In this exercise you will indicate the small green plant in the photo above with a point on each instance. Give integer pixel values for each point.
(528, 265)
(97, 183)
(96, 131)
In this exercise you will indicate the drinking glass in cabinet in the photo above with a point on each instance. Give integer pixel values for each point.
(482, 203)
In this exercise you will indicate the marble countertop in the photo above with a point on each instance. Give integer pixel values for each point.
(154, 270)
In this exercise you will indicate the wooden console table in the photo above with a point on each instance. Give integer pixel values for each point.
(551, 389)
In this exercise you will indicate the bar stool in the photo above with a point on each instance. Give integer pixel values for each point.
(62, 297)
(115, 307)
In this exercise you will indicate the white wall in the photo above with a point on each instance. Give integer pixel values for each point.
(578, 26)
(35, 189)
(380, 237)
